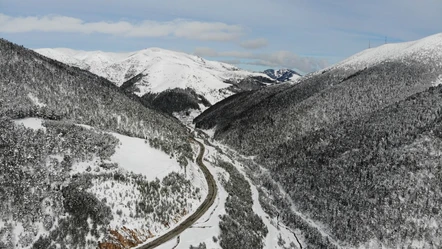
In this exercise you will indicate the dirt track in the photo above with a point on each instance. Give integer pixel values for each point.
(210, 198)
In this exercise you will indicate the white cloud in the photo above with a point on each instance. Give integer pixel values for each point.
(206, 31)
(237, 54)
(232, 62)
(254, 44)
(203, 51)
(333, 29)
(285, 59)
(292, 60)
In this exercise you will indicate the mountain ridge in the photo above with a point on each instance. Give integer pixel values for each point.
(427, 49)
(160, 69)
(331, 85)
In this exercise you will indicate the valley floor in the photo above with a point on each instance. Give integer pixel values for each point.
(206, 231)
(138, 184)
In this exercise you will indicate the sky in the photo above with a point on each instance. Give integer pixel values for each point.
(306, 35)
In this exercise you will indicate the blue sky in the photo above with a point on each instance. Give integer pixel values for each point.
(253, 34)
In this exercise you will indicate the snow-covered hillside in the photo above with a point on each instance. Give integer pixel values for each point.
(160, 69)
(426, 50)
(143, 192)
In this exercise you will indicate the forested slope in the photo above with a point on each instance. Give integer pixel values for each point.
(33, 85)
(316, 102)
(356, 146)
(62, 184)
(175, 100)
(377, 177)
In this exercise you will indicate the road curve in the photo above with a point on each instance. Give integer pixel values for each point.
(201, 210)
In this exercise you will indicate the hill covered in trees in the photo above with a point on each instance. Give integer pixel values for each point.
(62, 182)
(36, 86)
(356, 145)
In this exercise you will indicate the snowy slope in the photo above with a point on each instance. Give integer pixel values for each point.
(161, 69)
(122, 195)
(65, 56)
(426, 50)
(136, 155)
(93, 61)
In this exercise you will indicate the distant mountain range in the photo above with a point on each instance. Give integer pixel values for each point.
(154, 70)
(282, 75)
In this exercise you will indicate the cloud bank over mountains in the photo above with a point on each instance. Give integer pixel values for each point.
(255, 34)
(286, 59)
(206, 31)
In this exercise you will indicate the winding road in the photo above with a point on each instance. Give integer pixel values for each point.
(210, 198)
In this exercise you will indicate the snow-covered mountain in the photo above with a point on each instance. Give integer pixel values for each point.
(426, 50)
(282, 75)
(156, 69)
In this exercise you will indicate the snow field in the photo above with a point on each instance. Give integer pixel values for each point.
(136, 155)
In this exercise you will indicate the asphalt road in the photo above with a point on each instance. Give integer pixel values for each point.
(210, 198)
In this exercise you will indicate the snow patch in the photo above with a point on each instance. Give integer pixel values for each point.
(207, 227)
(136, 155)
(295, 77)
(438, 81)
(32, 123)
(36, 101)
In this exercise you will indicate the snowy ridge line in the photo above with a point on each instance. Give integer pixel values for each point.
(208, 202)
(424, 50)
